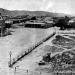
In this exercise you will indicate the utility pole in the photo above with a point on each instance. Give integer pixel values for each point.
(10, 53)
(15, 71)
(27, 71)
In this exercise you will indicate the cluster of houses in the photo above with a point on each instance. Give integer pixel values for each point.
(37, 21)
(33, 21)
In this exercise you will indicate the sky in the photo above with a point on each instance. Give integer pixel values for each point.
(59, 6)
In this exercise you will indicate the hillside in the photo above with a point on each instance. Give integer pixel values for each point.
(35, 13)
(38, 13)
(6, 12)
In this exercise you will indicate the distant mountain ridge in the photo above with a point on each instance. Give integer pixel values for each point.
(35, 13)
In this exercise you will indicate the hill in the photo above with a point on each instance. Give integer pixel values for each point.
(35, 13)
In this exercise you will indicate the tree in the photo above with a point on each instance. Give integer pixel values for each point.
(2, 24)
(62, 23)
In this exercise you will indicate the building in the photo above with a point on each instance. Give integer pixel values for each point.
(35, 24)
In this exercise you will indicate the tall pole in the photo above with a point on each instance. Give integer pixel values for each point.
(10, 53)
(16, 67)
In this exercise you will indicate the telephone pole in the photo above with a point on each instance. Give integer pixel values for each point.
(10, 53)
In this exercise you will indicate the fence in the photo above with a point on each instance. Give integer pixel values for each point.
(26, 52)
